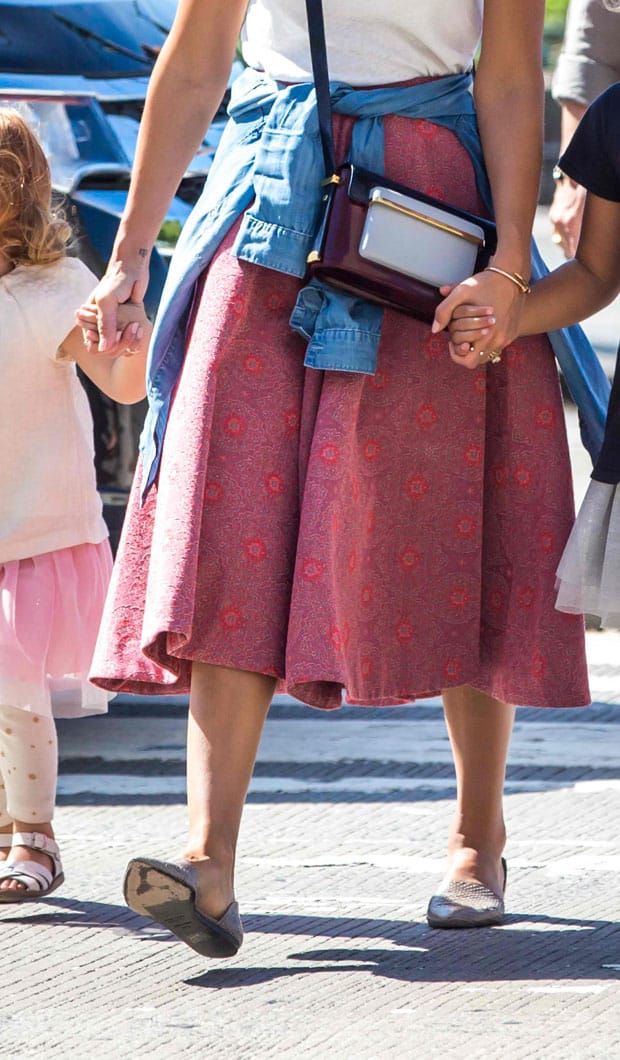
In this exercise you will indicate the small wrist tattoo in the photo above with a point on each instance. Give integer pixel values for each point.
(143, 252)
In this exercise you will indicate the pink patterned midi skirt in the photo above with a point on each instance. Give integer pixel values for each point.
(381, 536)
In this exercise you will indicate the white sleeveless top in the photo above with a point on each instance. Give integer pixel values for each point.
(410, 38)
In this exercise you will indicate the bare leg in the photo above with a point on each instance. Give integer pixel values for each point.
(226, 716)
(479, 728)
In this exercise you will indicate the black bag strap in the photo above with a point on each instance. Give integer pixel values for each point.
(318, 52)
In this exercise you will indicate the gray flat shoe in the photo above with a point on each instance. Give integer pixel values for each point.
(166, 892)
(467, 905)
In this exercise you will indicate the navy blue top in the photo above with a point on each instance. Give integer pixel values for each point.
(593, 160)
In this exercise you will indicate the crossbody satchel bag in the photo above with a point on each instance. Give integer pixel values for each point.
(381, 240)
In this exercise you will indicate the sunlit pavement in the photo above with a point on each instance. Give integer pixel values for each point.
(342, 844)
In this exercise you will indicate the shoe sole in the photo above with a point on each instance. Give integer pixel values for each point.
(171, 903)
(463, 922)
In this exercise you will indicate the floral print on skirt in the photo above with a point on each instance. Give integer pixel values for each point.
(384, 536)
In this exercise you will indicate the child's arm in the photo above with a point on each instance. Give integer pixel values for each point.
(569, 294)
(123, 378)
(587, 283)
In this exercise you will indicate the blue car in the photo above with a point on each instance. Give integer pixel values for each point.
(79, 72)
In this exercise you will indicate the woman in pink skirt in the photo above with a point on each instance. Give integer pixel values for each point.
(325, 526)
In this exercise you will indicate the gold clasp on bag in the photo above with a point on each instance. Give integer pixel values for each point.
(427, 220)
(334, 179)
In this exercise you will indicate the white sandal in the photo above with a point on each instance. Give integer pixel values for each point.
(38, 881)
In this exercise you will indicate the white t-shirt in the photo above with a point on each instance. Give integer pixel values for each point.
(367, 43)
(48, 496)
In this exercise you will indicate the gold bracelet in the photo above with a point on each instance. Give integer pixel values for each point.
(522, 284)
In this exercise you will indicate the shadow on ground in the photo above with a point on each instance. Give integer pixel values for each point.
(527, 947)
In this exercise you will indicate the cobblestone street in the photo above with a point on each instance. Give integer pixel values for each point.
(342, 845)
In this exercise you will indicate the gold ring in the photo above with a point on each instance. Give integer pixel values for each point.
(494, 357)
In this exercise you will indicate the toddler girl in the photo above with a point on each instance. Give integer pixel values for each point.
(55, 559)
(589, 572)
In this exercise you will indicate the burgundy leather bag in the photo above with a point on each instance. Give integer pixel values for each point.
(335, 258)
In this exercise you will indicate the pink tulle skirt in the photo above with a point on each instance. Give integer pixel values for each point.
(50, 610)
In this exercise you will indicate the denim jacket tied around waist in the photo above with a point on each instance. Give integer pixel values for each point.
(270, 159)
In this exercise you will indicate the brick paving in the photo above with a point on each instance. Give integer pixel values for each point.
(342, 844)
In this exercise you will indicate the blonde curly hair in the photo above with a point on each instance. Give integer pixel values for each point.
(31, 231)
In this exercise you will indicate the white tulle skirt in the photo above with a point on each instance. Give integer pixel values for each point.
(588, 577)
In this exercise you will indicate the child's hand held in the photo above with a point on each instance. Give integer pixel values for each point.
(131, 322)
(470, 324)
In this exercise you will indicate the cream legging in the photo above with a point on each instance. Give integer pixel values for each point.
(28, 766)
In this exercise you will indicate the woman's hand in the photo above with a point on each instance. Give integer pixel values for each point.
(496, 301)
(131, 322)
(120, 284)
(120, 371)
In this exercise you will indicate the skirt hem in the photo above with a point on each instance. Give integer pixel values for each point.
(138, 685)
